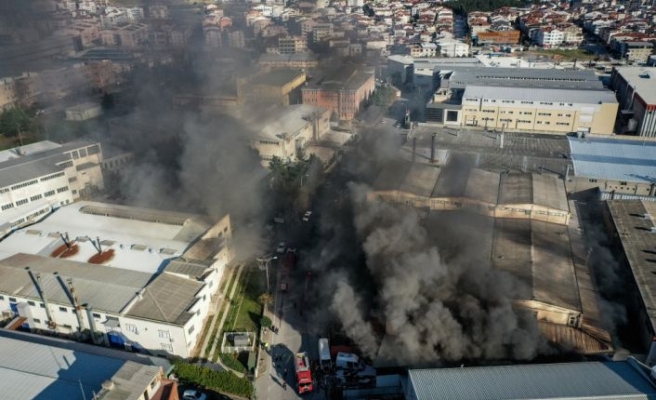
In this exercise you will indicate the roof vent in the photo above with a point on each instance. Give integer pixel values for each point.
(108, 385)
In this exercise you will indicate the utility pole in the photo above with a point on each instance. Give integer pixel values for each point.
(264, 263)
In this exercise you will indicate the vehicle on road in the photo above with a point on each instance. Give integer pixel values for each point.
(353, 372)
(325, 361)
(193, 395)
(282, 246)
(303, 373)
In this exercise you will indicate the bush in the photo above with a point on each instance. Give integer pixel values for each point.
(232, 361)
(222, 381)
(265, 322)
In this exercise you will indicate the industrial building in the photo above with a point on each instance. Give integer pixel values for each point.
(635, 88)
(297, 60)
(277, 86)
(83, 112)
(587, 380)
(284, 131)
(539, 197)
(39, 177)
(521, 223)
(341, 90)
(631, 225)
(619, 168)
(121, 276)
(38, 367)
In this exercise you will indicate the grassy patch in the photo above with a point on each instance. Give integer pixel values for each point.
(566, 55)
(223, 381)
(124, 3)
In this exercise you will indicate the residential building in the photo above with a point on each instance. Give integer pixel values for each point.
(603, 380)
(128, 36)
(548, 37)
(35, 367)
(635, 88)
(86, 32)
(292, 44)
(498, 37)
(143, 279)
(452, 48)
(321, 32)
(637, 52)
(341, 91)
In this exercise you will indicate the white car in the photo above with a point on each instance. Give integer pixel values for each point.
(307, 215)
(193, 395)
(282, 246)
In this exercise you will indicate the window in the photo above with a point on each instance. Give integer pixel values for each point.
(164, 334)
(31, 303)
(42, 305)
(167, 347)
(592, 180)
(47, 178)
(63, 309)
(623, 183)
(62, 189)
(131, 328)
(2, 298)
(7, 206)
(74, 192)
(37, 197)
(68, 326)
(12, 299)
(37, 321)
(21, 202)
(96, 315)
(49, 193)
(191, 329)
(24, 184)
(95, 149)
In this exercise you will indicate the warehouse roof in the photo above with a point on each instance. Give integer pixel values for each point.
(277, 77)
(420, 180)
(642, 79)
(462, 77)
(139, 239)
(638, 243)
(168, 298)
(621, 160)
(34, 367)
(586, 380)
(542, 95)
(104, 288)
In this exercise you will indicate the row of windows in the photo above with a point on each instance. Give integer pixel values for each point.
(269, 143)
(24, 184)
(47, 178)
(62, 189)
(21, 202)
(7, 206)
(49, 193)
(36, 197)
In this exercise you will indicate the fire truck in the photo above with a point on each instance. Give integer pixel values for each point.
(303, 373)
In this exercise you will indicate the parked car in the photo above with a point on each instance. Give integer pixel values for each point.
(282, 246)
(193, 395)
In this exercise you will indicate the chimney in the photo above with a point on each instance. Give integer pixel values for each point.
(414, 149)
(432, 159)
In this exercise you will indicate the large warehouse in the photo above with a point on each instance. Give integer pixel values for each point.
(626, 380)
(126, 277)
(631, 224)
(519, 223)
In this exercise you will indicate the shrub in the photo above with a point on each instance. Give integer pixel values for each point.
(222, 381)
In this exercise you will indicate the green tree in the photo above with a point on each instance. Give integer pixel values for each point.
(14, 121)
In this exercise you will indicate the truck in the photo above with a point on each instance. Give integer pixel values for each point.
(303, 372)
(325, 361)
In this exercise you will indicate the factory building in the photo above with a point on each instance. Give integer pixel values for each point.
(283, 132)
(39, 177)
(491, 212)
(635, 88)
(539, 197)
(278, 86)
(631, 225)
(619, 168)
(125, 277)
(586, 380)
(342, 91)
(38, 367)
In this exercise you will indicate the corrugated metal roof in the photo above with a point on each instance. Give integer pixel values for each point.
(182, 267)
(131, 381)
(104, 288)
(621, 160)
(598, 380)
(167, 299)
(543, 95)
(421, 179)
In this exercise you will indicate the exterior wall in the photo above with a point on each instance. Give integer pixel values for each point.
(83, 114)
(550, 313)
(630, 99)
(502, 37)
(567, 117)
(274, 93)
(158, 338)
(516, 211)
(579, 183)
(344, 103)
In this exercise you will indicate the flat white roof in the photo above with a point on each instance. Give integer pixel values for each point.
(28, 149)
(138, 245)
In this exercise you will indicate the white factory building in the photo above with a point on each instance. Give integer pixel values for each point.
(39, 177)
(126, 277)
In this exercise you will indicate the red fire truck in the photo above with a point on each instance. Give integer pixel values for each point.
(303, 373)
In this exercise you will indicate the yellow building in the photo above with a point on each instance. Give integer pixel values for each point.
(276, 86)
(538, 110)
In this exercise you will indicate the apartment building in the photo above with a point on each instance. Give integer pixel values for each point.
(292, 44)
(128, 36)
(321, 32)
(634, 51)
(341, 91)
(548, 37)
(452, 48)
(545, 110)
